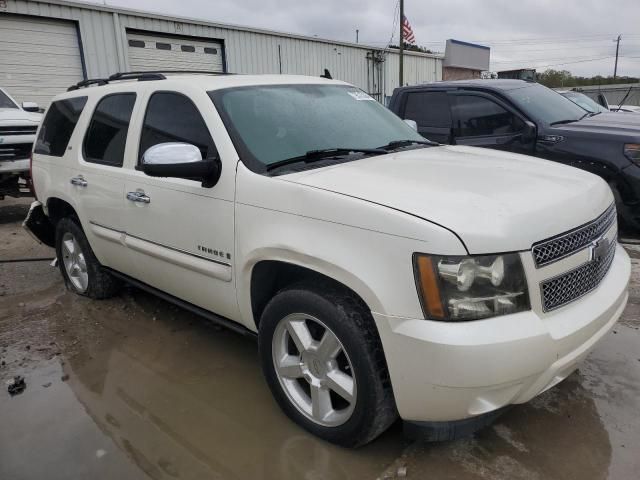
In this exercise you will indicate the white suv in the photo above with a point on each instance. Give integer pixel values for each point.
(18, 127)
(383, 274)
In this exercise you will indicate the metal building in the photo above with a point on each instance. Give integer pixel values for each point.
(45, 46)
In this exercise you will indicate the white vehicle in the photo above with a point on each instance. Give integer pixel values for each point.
(625, 108)
(18, 127)
(383, 274)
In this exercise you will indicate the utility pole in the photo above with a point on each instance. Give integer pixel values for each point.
(615, 69)
(401, 43)
(357, 32)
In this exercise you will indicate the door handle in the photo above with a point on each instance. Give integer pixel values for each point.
(79, 181)
(138, 196)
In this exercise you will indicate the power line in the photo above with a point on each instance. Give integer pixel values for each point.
(569, 63)
(547, 39)
(547, 59)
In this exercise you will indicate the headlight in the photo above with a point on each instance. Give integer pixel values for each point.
(470, 288)
(632, 152)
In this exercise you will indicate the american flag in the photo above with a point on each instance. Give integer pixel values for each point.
(407, 32)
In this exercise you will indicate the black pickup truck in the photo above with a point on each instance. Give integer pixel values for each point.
(526, 117)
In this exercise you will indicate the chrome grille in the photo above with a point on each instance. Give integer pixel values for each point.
(548, 251)
(18, 151)
(572, 285)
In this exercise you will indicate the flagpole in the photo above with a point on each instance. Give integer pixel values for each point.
(401, 22)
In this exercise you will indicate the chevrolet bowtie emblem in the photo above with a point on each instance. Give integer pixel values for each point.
(599, 249)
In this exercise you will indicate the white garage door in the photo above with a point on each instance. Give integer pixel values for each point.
(39, 58)
(154, 52)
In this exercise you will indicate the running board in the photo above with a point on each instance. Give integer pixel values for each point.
(217, 319)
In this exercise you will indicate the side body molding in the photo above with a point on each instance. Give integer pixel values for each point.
(205, 266)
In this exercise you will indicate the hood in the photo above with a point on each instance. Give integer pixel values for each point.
(13, 115)
(494, 201)
(605, 123)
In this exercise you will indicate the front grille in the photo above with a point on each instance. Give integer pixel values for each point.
(27, 130)
(553, 249)
(572, 285)
(18, 151)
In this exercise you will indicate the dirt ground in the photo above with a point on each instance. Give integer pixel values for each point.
(135, 388)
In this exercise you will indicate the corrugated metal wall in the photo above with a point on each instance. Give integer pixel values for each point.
(246, 50)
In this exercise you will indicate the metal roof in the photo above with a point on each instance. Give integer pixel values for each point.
(229, 26)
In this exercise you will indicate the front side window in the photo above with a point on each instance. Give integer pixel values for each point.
(107, 134)
(58, 125)
(478, 116)
(272, 123)
(428, 109)
(6, 102)
(172, 117)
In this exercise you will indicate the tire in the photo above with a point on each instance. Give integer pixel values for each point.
(323, 310)
(626, 221)
(80, 269)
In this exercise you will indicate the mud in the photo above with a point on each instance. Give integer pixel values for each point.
(135, 388)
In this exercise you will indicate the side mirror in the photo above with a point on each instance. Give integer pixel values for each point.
(411, 123)
(30, 107)
(181, 160)
(530, 132)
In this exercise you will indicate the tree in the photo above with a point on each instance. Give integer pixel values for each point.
(563, 78)
(412, 48)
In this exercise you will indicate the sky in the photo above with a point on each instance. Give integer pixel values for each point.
(574, 35)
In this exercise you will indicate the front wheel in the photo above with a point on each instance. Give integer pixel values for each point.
(323, 361)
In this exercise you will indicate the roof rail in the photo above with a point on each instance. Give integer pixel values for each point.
(170, 72)
(141, 76)
(86, 83)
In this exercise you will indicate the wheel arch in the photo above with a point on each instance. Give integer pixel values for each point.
(58, 208)
(265, 277)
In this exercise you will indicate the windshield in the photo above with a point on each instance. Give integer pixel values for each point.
(545, 105)
(273, 123)
(585, 102)
(5, 101)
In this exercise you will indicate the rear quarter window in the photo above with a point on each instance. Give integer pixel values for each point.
(58, 125)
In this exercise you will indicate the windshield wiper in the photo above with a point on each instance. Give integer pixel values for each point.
(405, 143)
(315, 155)
(561, 122)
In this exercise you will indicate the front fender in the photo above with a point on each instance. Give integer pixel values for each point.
(301, 259)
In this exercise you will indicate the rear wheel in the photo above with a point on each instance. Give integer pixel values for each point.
(79, 266)
(323, 360)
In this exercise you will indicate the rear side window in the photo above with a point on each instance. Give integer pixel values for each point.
(58, 125)
(107, 133)
(172, 117)
(428, 109)
(479, 116)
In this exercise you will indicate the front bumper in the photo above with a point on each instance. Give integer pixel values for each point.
(443, 371)
(14, 166)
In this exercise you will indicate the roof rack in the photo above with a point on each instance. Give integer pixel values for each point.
(141, 76)
(86, 83)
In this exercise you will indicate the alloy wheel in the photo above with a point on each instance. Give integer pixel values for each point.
(74, 263)
(314, 369)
